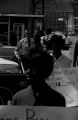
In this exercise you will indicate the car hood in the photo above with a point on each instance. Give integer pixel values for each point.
(8, 66)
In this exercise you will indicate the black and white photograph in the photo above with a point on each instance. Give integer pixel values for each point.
(38, 59)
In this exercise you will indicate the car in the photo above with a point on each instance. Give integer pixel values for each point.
(8, 66)
(7, 52)
(6, 63)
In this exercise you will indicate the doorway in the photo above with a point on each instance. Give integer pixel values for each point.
(4, 33)
(19, 29)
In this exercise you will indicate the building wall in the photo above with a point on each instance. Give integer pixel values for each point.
(75, 11)
(55, 9)
(15, 6)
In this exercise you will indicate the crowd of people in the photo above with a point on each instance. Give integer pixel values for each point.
(39, 56)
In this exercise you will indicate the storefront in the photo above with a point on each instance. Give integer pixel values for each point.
(12, 26)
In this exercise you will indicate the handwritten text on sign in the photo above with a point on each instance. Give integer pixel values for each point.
(63, 77)
(38, 113)
(65, 81)
(31, 113)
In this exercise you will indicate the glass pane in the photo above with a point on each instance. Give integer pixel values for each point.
(4, 34)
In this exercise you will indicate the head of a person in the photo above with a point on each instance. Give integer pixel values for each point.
(27, 33)
(48, 31)
(56, 43)
(41, 67)
(37, 38)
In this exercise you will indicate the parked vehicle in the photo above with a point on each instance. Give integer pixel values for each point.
(8, 66)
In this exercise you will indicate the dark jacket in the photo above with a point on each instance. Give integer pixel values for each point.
(75, 55)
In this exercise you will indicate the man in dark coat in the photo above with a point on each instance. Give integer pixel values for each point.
(38, 92)
(75, 55)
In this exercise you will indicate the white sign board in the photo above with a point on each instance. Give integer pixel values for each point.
(65, 81)
(37, 113)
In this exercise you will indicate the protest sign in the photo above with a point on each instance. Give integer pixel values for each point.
(31, 113)
(37, 113)
(65, 81)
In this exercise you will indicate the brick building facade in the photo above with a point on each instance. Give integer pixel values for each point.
(58, 14)
(75, 14)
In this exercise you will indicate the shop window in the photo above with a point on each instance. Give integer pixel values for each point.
(4, 33)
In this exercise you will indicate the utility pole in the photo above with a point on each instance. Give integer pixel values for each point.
(43, 11)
